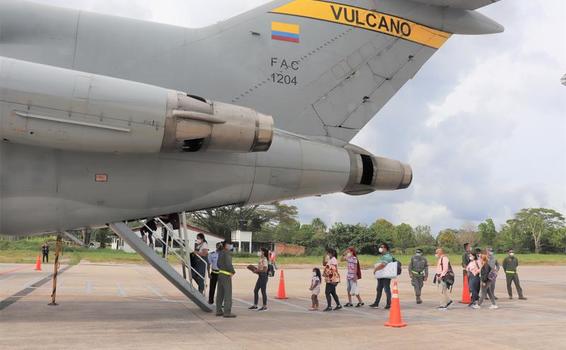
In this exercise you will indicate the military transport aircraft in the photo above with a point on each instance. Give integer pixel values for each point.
(106, 119)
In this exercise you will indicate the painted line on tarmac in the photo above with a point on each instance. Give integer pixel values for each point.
(88, 287)
(121, 291)
(14, 270)
(27, 290)
(155, 291)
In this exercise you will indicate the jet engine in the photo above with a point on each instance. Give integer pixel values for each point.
(69, 110)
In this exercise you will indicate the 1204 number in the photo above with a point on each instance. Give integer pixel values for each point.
(283, 79)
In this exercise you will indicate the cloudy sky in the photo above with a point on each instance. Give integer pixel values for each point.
(483, 124)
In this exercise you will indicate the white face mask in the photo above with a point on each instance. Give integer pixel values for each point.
(259, 254)
(381, 250)
(511, 254)
(230, 247)
(349, 255)
(313, 274)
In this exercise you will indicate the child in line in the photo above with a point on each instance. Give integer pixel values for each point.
(315, 288)
(354, 274)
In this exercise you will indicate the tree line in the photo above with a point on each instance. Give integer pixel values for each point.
(537, 230)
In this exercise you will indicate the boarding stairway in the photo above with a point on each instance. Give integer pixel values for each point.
(175, 246)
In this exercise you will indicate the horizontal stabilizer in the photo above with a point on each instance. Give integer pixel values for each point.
(460, 4)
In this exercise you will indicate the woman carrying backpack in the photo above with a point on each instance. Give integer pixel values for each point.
(332, 278)
(488, 276)
(444, 278)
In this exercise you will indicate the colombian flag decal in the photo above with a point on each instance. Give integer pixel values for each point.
(285, 32)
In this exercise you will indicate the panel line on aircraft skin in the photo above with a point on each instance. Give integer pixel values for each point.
(72, 122)
(27, 290)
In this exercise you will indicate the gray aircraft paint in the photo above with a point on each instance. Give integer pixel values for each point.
(344, 75)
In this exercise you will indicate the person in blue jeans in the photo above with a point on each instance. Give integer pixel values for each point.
(383, 283)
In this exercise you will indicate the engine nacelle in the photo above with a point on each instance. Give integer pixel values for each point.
(195, 124)
(369, 173)
(64, 109)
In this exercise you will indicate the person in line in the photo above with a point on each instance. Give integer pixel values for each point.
(45, 252)
(152, 227)
(443, 278)
(354, 274)
(201, 256)
(213, 263)
(262, 278)
(418, 271)
(474, 280)
(494, 264)
(487, 275)
(166, 238)
(510, 265)
(466, 262)
(224, 289)
(332, 279)
(383, 283)
(316, 281)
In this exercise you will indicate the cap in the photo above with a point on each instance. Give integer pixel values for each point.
(419, 251)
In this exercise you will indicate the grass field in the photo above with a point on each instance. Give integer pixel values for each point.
(75, 255)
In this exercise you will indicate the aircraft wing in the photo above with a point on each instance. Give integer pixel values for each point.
(460, 4)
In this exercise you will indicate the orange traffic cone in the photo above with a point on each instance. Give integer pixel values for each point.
(395, 319)
(38, 263)
(281, 294)
(466, 298)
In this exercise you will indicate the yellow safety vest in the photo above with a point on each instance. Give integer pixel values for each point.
(225, 272)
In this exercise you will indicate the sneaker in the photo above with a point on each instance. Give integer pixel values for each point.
(348, 305)
(419, 300)
(253, 307)
(219, 314)
(263, 308)
(511, 297)
(522, 298)
(338, 307)
(313, 309)
(475, 306)
(387, 307)
(327, 309)
(360, 304)
(442, 308)
(494, 307)
(496, 298)
(374, 306)
(230, 316)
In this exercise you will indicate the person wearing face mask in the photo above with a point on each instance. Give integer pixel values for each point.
(383, 283)
(224, 289)
(494, 264)
(418, 271)
(474, 269)
(201, 250)
(354, 274)
(262, 279)
(487, 276)
(510, 264)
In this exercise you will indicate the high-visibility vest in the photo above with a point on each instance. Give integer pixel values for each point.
(225, 272)
(511, 272)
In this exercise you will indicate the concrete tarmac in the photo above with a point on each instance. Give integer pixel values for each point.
(133, 307)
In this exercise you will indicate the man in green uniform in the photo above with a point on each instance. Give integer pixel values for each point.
(510, 264)
(418, 271)
(224, 288)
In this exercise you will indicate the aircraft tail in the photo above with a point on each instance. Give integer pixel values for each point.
(326, 68)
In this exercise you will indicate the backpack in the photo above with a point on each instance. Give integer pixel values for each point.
(449, 277)
(399, 267)
(270, 270)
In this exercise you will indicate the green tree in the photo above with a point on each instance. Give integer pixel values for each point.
(448, 240)
(538, 222)
(487, 232)
(423, 236)
(383, 231)
(404, 237)
(103, 236)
